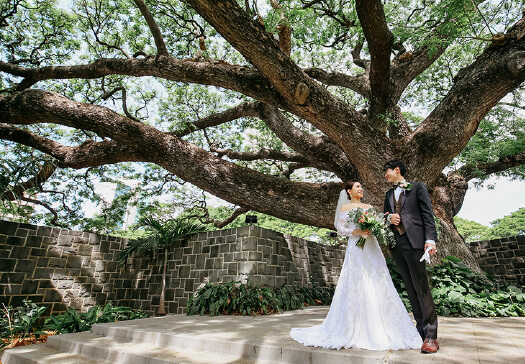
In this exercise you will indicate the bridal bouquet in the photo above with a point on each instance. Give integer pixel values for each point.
(372, 221)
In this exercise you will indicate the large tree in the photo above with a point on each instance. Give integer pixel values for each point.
(332, 86)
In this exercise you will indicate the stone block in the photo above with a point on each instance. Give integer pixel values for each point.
(218, 263)
(189, 285)
(224, 248)
(25, 265)
(8, 227)
(247, 268)
(29, 287)
(74, 262)
(13, 277)
(14, 240)
(85, 250)
(208, 263)
(228, 257)
(65, 240)
(43, 273)
(7, 265)
(500, 270)
(52, 295)
(21, 232)
(70, 250)
(257, 256)
(200, 262)
(214, 251)
(249, 244)
(241, 256)
(197, 247)
(184, 271)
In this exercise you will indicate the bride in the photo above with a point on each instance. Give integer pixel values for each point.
(366, 310)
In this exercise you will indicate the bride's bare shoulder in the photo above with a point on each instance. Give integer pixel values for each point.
(351, 206)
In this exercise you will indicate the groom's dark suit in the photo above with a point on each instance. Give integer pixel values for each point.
(417, 220)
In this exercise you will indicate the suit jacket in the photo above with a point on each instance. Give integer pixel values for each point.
(416, 214)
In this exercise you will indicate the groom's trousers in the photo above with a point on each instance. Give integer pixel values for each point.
(415, 278)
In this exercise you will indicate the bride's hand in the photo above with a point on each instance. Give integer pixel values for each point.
(364, 233)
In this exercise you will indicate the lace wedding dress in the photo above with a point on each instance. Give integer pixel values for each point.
(366, 310)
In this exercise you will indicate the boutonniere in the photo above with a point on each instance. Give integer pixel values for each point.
(406, 186)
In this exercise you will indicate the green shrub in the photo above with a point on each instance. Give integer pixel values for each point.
(235, 298)
(458, 291)
(19, 322)
(73, 321)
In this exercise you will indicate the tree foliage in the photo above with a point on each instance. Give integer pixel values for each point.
(266, 105)
(509, 225)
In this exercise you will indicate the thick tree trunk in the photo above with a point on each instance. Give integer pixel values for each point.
(447, 194)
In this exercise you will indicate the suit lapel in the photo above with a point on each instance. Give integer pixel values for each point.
(391, 200)
(405, 195)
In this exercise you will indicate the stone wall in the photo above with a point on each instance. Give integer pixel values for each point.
(504, 259)
(59, 268)
(56, 267)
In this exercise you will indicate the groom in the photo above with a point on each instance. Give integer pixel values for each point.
(409, 211)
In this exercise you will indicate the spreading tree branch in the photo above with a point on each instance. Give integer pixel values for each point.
(260, 154)
(124, 101)
(380, 40)
(204, 72)
(155, 31)
(17, 191)
(87, 154)
(502, 164)
(237, 112)
(321, 153)
(359, 84)
(47, 207)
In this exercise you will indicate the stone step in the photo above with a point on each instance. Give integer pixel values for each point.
(118, 350)
(44, 354)
(249, 351)
(154, 331)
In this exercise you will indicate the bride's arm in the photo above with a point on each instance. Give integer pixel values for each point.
(348, 228)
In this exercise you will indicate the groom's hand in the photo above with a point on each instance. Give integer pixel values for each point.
(395, 219)
(433, 249)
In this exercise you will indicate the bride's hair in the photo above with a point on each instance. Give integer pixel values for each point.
(348, 186)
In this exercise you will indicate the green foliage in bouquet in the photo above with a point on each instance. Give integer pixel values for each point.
(235, 298)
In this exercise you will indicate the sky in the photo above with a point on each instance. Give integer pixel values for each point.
(485, 206)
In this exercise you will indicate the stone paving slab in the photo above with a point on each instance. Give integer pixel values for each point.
(462, 340)
(265, 339)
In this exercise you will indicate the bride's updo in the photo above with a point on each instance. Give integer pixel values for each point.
(348, 186)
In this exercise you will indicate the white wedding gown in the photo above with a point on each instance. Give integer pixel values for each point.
(366, 310)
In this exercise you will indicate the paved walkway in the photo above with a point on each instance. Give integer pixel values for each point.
(265, 339)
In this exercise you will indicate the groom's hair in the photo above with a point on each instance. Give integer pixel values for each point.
(392, 164)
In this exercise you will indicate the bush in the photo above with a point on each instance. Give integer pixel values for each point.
(72, 321)
(236, 298)
(19, 323)
(458, 291)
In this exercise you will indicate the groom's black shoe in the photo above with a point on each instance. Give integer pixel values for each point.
(430, 346)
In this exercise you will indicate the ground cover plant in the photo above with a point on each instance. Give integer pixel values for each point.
(235, 298)
(23, 325)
